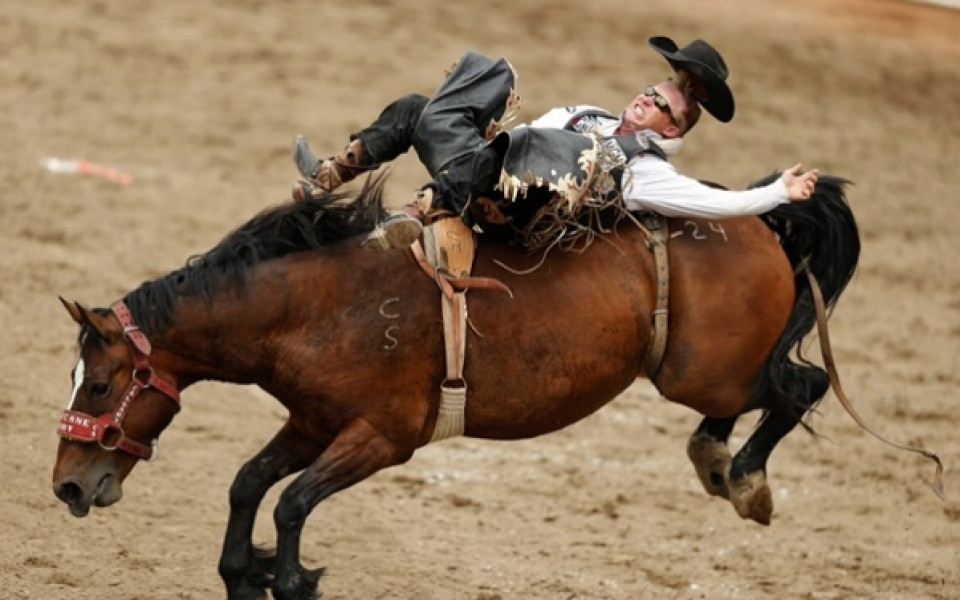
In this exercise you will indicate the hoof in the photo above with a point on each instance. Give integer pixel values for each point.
(301, 586)
(751, 497)
(711, 459)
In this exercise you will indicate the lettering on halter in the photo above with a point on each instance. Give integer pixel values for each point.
(392, 341)
(72, 421)
(698, 234)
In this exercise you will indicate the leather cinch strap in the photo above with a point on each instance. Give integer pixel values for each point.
(657, 236)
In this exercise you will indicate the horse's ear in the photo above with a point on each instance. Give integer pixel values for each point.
(76, 311)
(84, 317)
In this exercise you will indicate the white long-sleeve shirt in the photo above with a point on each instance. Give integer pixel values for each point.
(651, 183)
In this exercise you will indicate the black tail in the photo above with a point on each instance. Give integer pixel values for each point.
(822, 234)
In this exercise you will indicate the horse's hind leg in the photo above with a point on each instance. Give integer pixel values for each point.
(246, 571)
(747, 479)
(708, 451)
(358, 451)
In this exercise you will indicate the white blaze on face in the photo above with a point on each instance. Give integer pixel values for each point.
(77, 381)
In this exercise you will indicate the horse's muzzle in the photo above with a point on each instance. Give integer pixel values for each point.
(79, 498)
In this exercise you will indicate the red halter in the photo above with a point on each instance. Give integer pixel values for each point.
(81, 427)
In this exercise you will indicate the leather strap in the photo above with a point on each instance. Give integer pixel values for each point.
(657, 236)
(455, 334)
(827, 352)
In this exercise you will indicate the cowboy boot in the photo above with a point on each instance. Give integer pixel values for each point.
(328, 174)
(404, 227)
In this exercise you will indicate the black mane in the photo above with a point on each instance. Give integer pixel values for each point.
(275, 232)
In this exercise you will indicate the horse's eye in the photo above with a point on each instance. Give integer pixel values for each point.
(100, 389)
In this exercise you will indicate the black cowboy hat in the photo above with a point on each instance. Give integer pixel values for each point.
(706, 66)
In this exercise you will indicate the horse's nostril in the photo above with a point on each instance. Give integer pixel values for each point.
(69, 491)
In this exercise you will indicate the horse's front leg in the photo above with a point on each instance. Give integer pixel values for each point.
(246, 571)
(708, 451)
(357, 452)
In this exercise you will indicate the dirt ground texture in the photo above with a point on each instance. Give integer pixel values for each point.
(200, 102)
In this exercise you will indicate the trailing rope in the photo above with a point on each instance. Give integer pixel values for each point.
(831, 368)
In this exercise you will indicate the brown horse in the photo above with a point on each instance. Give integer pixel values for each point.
(350, 342)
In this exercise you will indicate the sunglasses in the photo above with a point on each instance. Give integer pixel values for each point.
(660, 102)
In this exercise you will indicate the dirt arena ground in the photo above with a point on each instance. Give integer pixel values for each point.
(200, 102)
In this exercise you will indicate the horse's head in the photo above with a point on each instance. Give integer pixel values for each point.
(118, 408)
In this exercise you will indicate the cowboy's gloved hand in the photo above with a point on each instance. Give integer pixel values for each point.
(799, 184)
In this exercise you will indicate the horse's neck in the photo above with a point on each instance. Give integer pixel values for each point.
(240, 336)
(213, 340)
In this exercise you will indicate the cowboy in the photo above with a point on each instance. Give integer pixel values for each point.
(574, 154)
